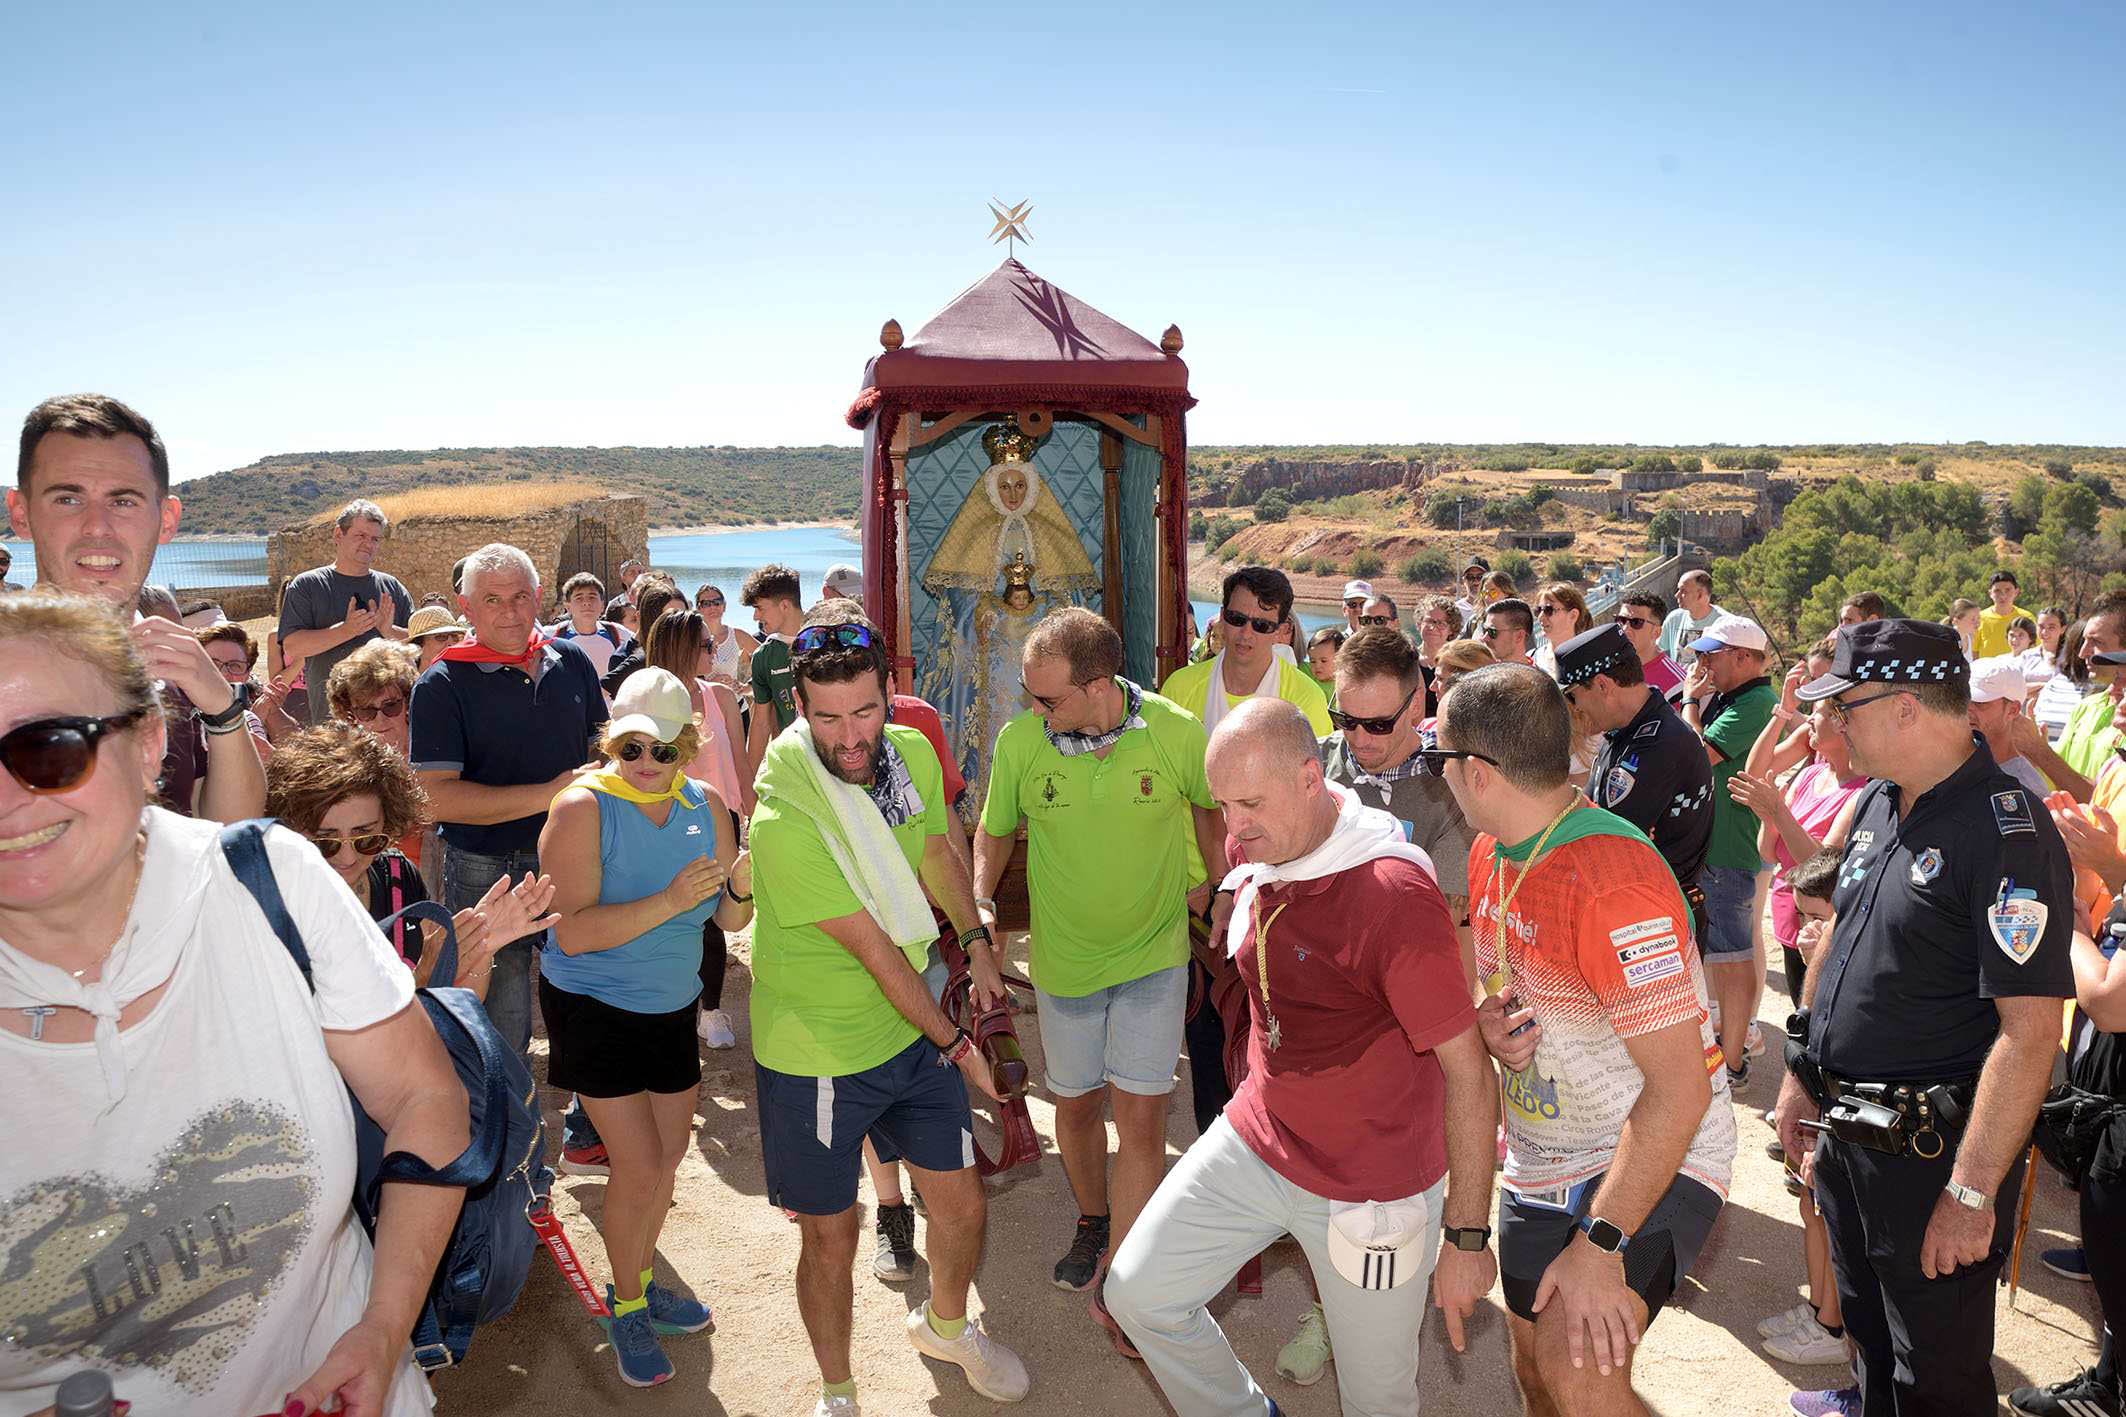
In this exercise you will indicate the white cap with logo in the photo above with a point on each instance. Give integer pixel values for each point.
(845, 579)
(1358, 590)
(654, 702)
(1731, 632)
(1380, 1244)
(2000, 677)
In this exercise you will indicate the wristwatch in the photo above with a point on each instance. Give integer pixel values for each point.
(1467, 1237)
(986, 902)
(1602, 1235)
(1969, 1197)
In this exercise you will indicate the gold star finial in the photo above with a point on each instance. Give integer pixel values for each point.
(1011, 224)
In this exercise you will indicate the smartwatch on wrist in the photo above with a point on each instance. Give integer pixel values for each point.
(1602, 1235)
(1466, 1237)
(986, 902)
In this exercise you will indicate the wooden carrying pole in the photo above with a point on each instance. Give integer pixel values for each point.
(1111, 557)
(2022, 1225)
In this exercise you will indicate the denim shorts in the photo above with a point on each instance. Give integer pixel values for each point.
(1126, 1034)
(1730, 896)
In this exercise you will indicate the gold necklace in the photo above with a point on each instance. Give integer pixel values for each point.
(1273, 1032)
(1504, 899)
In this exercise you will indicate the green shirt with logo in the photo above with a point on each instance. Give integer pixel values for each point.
(1732, 724)
(774, 681)
(1110, 842)
(816, 1010)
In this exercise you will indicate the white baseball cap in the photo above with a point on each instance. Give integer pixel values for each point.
(845, 579)
(1731, 632)
(1376, 1244)
(651, 701)
(1358, 590)
(1999, 677)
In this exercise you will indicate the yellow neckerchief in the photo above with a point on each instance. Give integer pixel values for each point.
(611, 783)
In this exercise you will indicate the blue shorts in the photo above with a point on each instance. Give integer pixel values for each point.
(812, 1129)
(1126, 1034)
(1730, 897)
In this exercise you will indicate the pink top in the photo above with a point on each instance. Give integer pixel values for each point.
(1815, 797)
(715, 764)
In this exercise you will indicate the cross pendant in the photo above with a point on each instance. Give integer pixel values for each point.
(37, 1017)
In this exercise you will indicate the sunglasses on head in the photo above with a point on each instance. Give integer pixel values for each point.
(367, 844)
(55, 754)
(1236, 620)
(1379, 727)
(819, 637)
(1434, 760)
(666, 753)
(383, 708)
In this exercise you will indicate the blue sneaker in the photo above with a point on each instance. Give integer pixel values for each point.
(2072, 1263)
(635, 1349)
(670, 1313)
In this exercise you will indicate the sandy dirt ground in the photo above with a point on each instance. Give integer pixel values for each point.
(727, 1245)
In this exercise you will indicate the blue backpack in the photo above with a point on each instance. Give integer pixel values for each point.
(503, 1171)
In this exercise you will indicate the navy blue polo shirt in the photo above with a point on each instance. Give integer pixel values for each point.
(493, 725)
(1966, 899)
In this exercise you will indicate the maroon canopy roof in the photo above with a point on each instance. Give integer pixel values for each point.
(1013, 333)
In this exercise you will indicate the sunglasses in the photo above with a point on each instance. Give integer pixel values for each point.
(370, 713)
(1634, 622)
(1434, 760)
(367, 844)
(1049, 705)
(1376, 619)
(55, 754)
(819, 637)
(665, 753)
(1261, 627)
(1544, 612)
(1490, 632)
(709, 602)
(1378, 727)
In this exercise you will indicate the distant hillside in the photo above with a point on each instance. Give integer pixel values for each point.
(686, 486)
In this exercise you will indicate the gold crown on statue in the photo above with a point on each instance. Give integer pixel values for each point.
(1018, 575)
(1004, 442)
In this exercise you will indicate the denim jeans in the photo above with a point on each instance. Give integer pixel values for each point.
(466, 877)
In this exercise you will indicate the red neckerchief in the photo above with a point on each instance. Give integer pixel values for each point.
(473, 652)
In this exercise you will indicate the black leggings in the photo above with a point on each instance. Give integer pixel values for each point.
(1797, 969)
(715, 958)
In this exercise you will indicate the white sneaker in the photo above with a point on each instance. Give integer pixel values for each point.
(715, 1029)
(836, 1407)
(1753, 1041)
(1807, 1343)
(1786, 1319)
(992, 1369)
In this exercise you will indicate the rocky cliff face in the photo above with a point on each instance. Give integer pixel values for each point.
(1306, 481)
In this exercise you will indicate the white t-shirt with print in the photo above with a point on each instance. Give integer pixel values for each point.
(197, 1241)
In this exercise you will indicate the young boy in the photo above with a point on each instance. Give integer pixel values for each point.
(583, 596)
(1322, 646)
(1813, 1331)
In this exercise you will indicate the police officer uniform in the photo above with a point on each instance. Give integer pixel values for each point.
(1653, 771)
(1965, 899)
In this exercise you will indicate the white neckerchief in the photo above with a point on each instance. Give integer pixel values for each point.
(166, 907)
(1361, 834)
(1214, 701)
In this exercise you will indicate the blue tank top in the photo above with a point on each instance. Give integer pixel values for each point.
(659, 970)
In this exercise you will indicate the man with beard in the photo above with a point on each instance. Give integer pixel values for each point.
(92, 493)
(847, 1041)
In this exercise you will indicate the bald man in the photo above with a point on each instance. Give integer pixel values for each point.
(1369, 1108)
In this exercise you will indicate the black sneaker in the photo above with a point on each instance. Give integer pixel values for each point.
(1739, 1078)
(2082, 1395)
(895, 1259)
(1077, 1269)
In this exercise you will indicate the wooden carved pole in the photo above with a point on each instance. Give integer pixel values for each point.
(1111, 559)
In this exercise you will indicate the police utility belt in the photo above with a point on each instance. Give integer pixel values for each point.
(1896, 1118)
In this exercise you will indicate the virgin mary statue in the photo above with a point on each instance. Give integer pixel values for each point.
(1008, 557)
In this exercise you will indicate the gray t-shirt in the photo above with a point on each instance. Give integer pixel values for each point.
(1426, 803)
(317, 600)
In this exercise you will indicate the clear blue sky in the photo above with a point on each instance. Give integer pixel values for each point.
(276, 230)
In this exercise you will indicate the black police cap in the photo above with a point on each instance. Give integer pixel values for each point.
(1891, 652)
(1592, 652)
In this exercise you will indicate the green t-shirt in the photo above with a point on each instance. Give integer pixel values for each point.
(2090, 734)
(816, 1010)
(774, 682)
(1733, 730)
(1109, 842)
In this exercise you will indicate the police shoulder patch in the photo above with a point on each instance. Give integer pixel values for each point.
(2011, 813)
(2016, 920)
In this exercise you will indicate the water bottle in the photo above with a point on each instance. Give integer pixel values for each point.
(86, 1394)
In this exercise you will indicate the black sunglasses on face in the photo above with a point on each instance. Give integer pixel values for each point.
(665, 753)
(1236, 620)
(1633, 622)
(1048, 705)
(819, 637)
(1378, 727)
(1434, 760)
(1489, 632)
(55, 754)
(708, 602)
(367, 844)
(1376, 619)
(383, 708)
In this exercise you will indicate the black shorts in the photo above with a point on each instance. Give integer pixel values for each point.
(1532, 1233)
(596, 1050)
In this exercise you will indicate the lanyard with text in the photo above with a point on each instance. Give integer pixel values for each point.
(1503, 975)
(1274, 1034)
